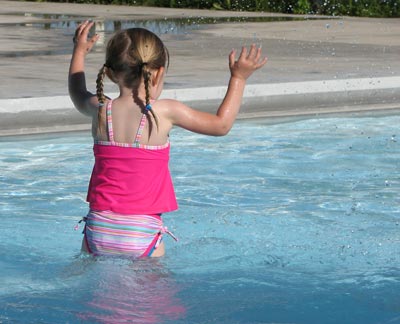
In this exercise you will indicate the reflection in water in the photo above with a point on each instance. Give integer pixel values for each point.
(139, 292)
(173, 26)
(177, 26)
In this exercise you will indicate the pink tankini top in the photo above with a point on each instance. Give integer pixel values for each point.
(131, 178)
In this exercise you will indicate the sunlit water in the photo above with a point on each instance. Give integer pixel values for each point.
(295, 222)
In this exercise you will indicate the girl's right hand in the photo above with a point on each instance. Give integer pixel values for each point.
(81, 42)
(247, 63)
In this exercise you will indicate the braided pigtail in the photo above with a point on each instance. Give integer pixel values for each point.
(148, 109)
(131, 57)
(100, 97)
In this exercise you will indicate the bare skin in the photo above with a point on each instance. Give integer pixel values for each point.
(127, 112)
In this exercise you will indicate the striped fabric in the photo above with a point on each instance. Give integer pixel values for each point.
(109, 121)
(134, 236)
(134, 145)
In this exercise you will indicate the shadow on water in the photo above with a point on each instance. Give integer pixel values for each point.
(105, 27)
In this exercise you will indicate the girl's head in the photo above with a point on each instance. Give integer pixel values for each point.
(132, 56)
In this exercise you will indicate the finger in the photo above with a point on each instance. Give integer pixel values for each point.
(78, 32)
(232, 56)
(258, 54)
(86, 28)
(243, 54)
(83, 29)
(262, 63)
(80, 27)
(252, 52)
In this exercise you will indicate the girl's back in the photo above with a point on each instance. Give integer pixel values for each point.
(127, 119)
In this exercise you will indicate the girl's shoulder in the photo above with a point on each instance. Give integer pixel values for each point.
(169, 109)
(164, 102)
(164, 105)
(167, 104)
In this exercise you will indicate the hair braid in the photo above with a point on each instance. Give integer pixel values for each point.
(148, 110)
(100, 96)
(131, 57)
(146, 78)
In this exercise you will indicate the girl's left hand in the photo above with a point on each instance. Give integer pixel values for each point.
(247, 63)
(81, 41)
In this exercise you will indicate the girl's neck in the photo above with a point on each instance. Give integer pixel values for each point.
(129, 97)
(132, 94)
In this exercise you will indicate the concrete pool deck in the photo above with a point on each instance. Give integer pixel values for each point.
(316, 65)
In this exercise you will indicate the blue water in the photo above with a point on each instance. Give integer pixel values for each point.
(294, 222)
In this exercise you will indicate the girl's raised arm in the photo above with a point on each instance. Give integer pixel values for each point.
(83, 100)
(221, 123)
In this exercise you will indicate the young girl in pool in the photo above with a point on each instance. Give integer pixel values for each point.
(131, 186)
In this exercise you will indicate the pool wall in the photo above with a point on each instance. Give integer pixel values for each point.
(55, 114)
(316, 65)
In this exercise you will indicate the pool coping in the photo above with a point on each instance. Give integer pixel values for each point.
(273, 100)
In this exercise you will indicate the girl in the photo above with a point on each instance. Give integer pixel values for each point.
(131, 186)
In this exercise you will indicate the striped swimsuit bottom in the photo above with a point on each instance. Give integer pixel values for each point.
(112, 234)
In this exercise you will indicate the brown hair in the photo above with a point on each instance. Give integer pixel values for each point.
(131, 55)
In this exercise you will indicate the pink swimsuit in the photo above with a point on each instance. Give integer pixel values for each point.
(129, 189)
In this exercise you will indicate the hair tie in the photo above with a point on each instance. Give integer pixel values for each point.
(147, 107)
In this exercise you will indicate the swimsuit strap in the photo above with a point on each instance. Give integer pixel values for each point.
(110, 127)
(140, 129)
(109, 122)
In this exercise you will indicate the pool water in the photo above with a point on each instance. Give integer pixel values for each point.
(293, 222)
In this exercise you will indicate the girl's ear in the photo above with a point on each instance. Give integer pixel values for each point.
(157, 76)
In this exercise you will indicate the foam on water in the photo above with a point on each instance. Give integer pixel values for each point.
(292, 222)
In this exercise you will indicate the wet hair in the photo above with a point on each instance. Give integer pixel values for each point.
(131, 55)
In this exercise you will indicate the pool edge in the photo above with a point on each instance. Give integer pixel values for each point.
(22, 116)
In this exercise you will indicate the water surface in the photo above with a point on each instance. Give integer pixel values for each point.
(295, 222)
